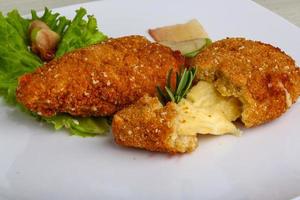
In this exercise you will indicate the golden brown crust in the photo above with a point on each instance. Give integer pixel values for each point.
(149, 125)
(260, 75)
(98, 80)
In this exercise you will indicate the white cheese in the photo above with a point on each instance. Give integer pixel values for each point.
(205, 111)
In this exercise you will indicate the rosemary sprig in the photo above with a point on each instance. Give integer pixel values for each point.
(184, 81)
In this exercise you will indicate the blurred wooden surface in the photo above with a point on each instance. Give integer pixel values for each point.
(289, 9)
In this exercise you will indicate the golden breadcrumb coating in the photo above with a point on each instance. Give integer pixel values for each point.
(264, 78)
(98, 80)
(147, 124)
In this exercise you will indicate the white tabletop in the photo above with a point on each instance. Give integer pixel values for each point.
(289, 9)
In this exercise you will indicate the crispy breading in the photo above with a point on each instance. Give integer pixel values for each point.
(264, 78)
(98, 80)
(147, 124)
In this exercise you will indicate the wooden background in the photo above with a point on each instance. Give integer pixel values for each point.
(289, 9)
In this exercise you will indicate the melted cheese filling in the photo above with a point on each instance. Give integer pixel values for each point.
(205, 111)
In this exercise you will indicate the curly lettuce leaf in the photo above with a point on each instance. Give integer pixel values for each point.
(20, 24)
(80, 33)
(82, 126)
(17, 59)
(56, 22)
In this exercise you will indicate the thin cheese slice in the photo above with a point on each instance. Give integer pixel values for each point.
(179, 32)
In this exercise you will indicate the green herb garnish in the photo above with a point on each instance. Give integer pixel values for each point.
(184, 81)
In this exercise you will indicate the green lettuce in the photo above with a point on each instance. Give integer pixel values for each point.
(56, 22)
(16, 59)
(80, 33)
(83, 126)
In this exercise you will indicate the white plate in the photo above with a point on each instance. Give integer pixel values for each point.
(36, 163)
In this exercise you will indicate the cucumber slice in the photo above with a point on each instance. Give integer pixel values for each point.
(189, 48)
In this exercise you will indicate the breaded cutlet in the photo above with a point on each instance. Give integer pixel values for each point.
(100, 79)
(173, 128)
(147, 124)
(262, 77)
(236, 78)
